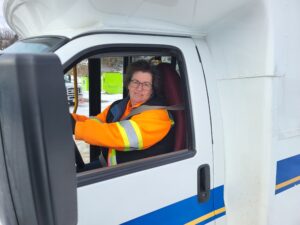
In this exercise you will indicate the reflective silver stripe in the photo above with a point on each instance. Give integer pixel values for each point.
(131, 134)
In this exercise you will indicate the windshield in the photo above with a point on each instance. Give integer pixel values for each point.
(37, 45)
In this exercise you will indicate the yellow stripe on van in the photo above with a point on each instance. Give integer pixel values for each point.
(288, 182)
(206, 216)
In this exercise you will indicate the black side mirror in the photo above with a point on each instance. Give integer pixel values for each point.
(37, 162)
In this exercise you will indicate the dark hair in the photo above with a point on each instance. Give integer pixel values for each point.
(144, 66)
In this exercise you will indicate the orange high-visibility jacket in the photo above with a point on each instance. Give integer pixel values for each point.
(139, 132)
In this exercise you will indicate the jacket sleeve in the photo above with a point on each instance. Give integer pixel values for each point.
(140, 132)
(78, 117)
(101, 116)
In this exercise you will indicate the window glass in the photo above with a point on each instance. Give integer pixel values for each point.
(36, 45)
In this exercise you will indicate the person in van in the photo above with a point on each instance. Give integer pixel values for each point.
(147, 133)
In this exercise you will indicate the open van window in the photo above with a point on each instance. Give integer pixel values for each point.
(104, 73)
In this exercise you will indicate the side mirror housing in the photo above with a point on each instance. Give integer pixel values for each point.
(37, 161)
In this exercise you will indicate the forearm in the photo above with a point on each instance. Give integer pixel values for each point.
(100, 134)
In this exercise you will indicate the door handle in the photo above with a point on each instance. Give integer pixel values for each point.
(203, 183)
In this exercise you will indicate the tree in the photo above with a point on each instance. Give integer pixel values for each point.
(7, 37)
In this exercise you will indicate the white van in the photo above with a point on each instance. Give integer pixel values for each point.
(238, 161)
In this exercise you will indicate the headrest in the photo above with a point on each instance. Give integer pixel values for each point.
(173, 95)
(171, 84)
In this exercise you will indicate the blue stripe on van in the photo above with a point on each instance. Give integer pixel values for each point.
(187, 211)
(288, 173)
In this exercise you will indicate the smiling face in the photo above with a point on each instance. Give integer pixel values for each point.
(140, 87)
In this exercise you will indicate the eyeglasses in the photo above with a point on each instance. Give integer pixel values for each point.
(145, 85)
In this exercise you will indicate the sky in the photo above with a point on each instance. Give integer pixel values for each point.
(2, 20)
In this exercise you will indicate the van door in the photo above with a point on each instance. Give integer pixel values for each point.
(175, 188)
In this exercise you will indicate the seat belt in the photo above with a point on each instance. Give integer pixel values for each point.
(144, 108)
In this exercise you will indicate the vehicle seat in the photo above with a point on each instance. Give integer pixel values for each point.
(172, 92)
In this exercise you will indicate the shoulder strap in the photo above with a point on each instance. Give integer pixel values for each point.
(116, 110)
(144, 108)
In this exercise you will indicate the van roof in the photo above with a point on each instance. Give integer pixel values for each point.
(70, 18)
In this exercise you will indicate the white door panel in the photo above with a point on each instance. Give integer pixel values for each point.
(166, 194)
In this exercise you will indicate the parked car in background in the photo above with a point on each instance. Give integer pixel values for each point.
(70, 90)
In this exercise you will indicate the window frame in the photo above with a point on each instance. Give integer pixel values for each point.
(102, 174)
